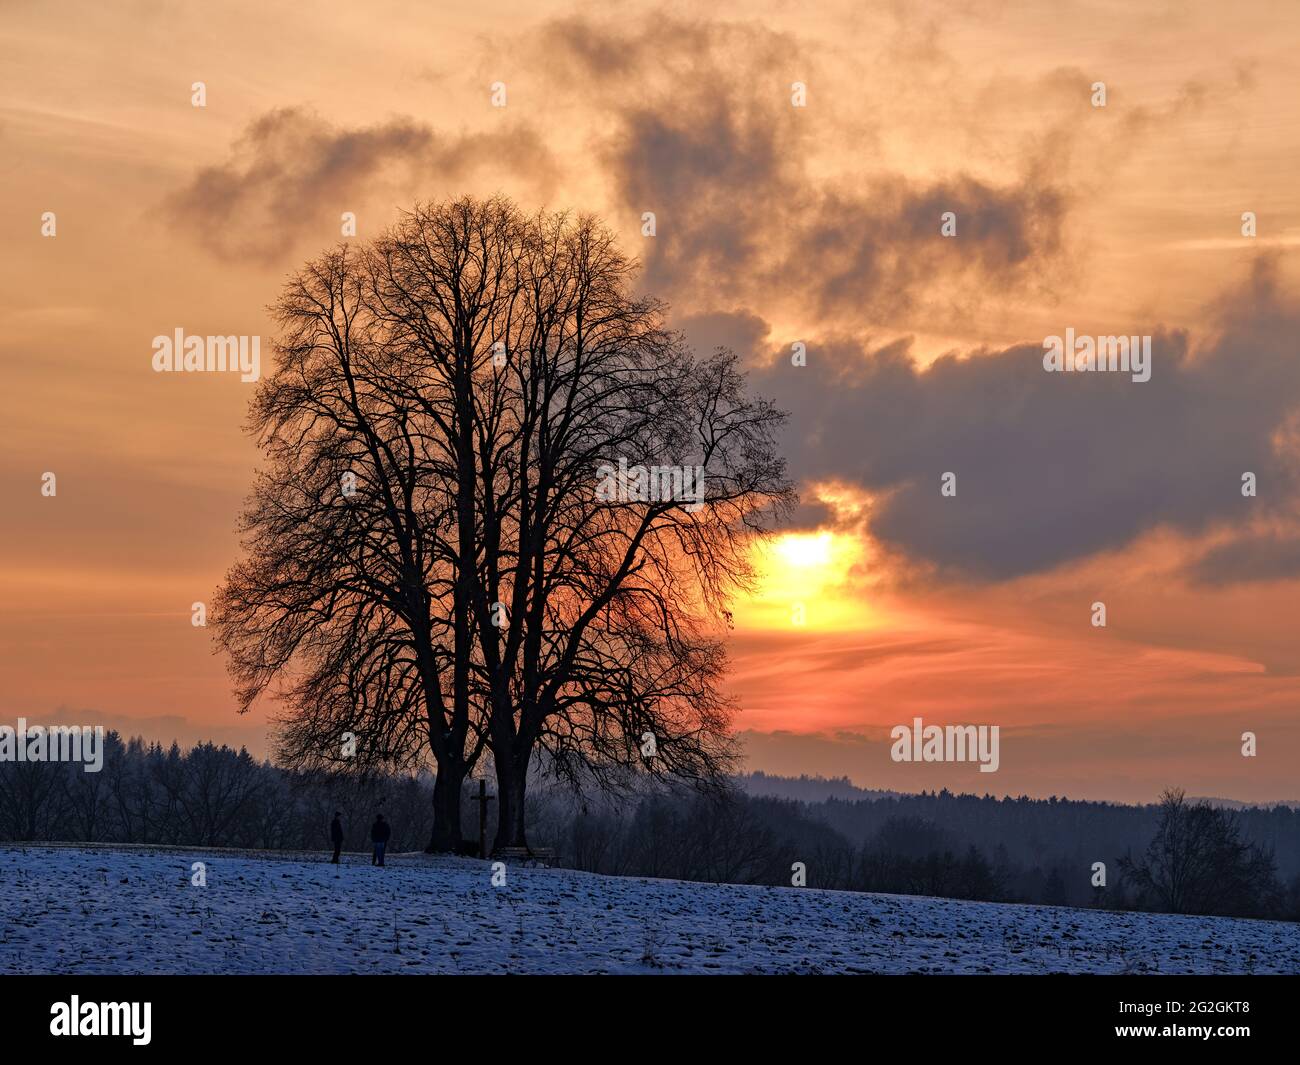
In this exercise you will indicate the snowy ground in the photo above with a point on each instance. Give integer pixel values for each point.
(96, 910)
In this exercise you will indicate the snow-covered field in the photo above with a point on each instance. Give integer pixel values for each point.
(96, 910)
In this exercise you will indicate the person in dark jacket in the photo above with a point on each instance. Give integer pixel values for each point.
(380, 832)
(336, 836)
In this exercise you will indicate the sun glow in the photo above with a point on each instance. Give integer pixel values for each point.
(803, 550)
(807, 580)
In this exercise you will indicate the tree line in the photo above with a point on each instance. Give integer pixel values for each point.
(1197, 858)
(207, 796)
(1191, 857)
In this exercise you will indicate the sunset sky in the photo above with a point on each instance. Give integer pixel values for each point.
(775, 225)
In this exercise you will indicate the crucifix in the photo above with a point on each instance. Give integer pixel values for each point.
(482, 798)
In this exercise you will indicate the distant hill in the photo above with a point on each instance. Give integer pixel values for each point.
(814, 789)
(808, 789)
(1067, 834)
(1233, 804)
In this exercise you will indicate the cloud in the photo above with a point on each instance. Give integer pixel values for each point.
(1247, 559)
(739, 331)
(706, 138)
(759, 220)
(737, 217)
(1055, 467)
(291, 173)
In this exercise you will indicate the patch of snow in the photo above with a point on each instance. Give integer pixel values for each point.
(134, 910)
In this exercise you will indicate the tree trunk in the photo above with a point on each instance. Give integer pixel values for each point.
(446, 810)
(512, 787)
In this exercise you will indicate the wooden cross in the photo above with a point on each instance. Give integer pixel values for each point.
(482, 798)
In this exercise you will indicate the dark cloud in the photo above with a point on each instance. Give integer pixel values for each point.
(1050, 466)
(738, 218)
(292, 173)
(739, 331)
(714, 148)
(1253, 557)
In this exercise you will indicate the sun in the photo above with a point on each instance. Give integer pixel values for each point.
(804, 550)
(805, 581)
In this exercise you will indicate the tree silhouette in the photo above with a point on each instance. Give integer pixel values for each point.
(1198, 863)
(443, 554)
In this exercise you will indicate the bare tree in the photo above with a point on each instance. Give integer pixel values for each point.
(354, 600)
(609, 589)
(220, 789)
(1198, 863)
(475, 377)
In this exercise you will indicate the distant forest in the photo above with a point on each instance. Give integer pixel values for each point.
(1179, 855)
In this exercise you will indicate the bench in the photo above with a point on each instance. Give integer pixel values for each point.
(527, 855)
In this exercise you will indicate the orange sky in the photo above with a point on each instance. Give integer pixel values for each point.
(775, 225)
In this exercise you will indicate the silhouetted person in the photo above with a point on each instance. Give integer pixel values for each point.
(336, 836)
(380, 831)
